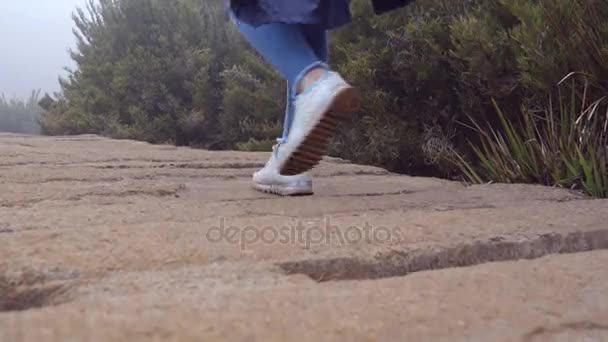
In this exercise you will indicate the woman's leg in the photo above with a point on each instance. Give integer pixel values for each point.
(316, 36)
(289, 112)
(323, 97)
(286, 48)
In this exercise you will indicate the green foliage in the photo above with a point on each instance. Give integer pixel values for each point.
(401, 63)
(565, 144)
(165, 71)
(254, 145)
(178, 71)
(251, 107)
(20, 116)
(146, 70)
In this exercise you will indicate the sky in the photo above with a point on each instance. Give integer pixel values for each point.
(35, 36)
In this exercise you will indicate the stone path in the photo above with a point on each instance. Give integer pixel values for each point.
(108, 240)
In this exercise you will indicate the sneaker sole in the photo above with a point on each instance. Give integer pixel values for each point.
(282, 191)
(314, 146)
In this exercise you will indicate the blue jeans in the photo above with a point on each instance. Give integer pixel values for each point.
(293, 50)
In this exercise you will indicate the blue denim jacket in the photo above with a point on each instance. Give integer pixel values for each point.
(328, 13)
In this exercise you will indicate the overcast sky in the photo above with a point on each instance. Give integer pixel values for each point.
(35, 36)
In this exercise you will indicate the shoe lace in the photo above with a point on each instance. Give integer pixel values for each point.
(275, 149)
(277, 146)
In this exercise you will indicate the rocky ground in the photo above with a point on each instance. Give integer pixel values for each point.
(108, 240)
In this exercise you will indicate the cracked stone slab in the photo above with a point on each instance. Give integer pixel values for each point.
(557, 298)
(105, 239)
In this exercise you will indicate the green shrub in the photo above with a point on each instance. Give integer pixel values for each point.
(20, 116)
(565, 144)
(254, 145)
(178, 71)
(253, 104)
(401, 63)
(146, 69)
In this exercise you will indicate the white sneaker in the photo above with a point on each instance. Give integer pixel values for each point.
(317, 113)
(269, 180)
